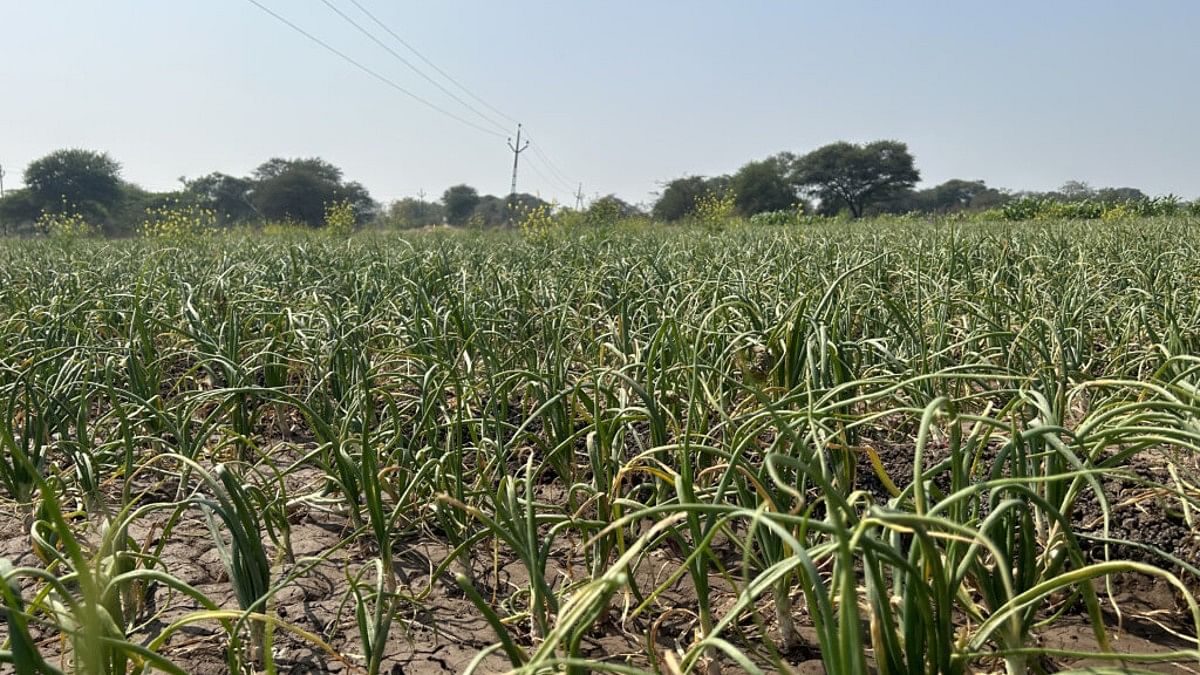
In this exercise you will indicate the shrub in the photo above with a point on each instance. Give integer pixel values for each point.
(793, 216)
(65, 225)
(715, 208)
(178, 220)
(1042, 208)
(340, 218)
(536, 221)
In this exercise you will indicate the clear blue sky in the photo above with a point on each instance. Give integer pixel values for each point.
(620, 94)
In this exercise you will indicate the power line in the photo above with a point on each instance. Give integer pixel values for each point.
(550, 187)
(429, 63)
(557, 174)
(412, 67)
(550, 164)
(557, 183)
(543, 176)
(372, 73)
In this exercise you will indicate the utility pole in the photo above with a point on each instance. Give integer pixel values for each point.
(579, 198)
(517, 149)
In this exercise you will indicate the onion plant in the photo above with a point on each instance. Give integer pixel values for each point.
(895, 447)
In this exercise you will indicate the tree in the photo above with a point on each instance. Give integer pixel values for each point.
(17, 211)
(763, 186)
(1076, 190)
(954, 195)
(490, 211)
(411, 213)
(81, 181)
(855, 176)
(314, 166)
(227, 196)
(522, 203)
(1121, 194)
(300, 189)
(137, 202)
(609, 209)
(679, 197)
(459, 203)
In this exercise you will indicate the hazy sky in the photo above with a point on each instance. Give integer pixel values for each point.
(618, 94)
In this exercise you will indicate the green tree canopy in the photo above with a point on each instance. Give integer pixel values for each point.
(1077, 191)
(411, 212)
(679, 197)
(228, 196)
(300, 189)
(522, 202)
(492, 211)
(763, 186)
(17, 211)
(608, 209)
(953, 195)
(80, 181)
(855, 176)
(1121, 194)
(459, 202)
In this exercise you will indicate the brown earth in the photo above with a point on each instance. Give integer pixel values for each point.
(441, 631)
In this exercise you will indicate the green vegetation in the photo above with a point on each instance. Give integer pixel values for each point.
(839, 180)
(1090, 208)
(890, 446)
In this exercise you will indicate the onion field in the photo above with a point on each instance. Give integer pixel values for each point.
(899, 448)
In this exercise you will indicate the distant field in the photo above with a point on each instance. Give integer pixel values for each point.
(846, 448)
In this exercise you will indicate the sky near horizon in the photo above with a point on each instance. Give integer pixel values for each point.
(620, 95)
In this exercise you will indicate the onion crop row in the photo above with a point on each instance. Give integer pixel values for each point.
(875, 447)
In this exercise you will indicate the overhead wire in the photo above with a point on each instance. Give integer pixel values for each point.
(382, 78)
(429, 63)
(558, 175)
(537, 150)
(337, 10)
(549, 181)
(557, 183)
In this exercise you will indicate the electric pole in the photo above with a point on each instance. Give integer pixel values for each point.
(1, 181)
(579, 198)
(517, 149)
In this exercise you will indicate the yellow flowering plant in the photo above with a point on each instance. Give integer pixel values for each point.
(65, 225)
(715, 209)
(340, 218)
(537, 221)
(174, 220)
